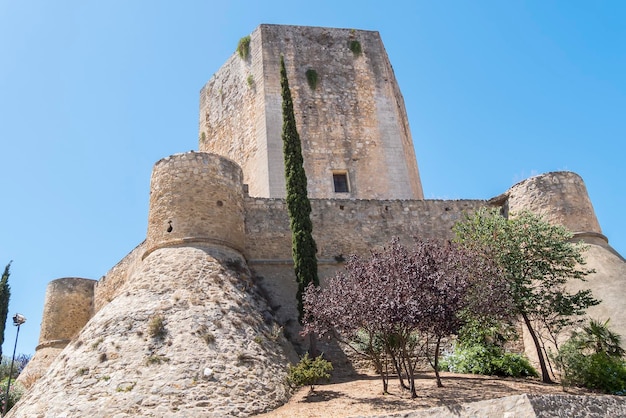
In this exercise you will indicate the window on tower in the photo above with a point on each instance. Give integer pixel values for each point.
(340, 181)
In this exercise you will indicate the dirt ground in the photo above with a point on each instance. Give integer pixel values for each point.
(360, 394)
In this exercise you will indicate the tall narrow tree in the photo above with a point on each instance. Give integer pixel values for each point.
(303, 245)
(5, 294)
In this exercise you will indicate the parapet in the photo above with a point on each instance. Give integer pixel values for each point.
(561, 197)
(195, 197)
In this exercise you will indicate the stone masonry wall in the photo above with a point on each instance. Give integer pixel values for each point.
(213, 354)
(195, 196)
(352, 121)
(232, 116)
(340, 228)
(344, 227)
(561, 197)
(110, 285)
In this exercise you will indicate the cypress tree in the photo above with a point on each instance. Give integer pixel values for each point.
(5, 294)
(303, 247)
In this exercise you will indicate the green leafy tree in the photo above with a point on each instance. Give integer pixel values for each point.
(298, 205)
(537, 259)
(5, 295)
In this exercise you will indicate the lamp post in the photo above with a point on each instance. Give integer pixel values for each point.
(18, 319)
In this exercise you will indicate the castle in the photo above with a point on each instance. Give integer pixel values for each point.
(189, 322)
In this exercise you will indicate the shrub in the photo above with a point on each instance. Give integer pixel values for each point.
(311, 78)
(156, 327)
(15, 393)
(355, 47)
(243, 47)
(592, 358)
(309, 371)
(487, 360)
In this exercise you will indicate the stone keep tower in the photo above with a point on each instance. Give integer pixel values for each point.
(349, 112)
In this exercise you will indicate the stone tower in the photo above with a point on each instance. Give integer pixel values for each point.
(349, 111)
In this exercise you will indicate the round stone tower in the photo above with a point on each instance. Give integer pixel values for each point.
(68, 306)
(561, 197)
(196, 197)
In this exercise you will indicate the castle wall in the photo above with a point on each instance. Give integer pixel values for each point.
(561, 197)
(195, 197)
(352, 122)
(68, 306)
(340, 228)
(345, 226)
(112, 284)
(232, 116)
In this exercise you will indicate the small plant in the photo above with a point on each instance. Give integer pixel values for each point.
(309, 371)
(311, 78)
(126, 387)
(243, 47)
(97, 343)
(258, 339)
(208, 337)
(156, 327)
(202, 138)
(276, 332)
(82, 371)
(243, 358)
(250, 81)
(156, 359)
(355, 47)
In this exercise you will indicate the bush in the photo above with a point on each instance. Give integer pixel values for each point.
(15, 393)
(309, 371)
(156, 327)
(243, 47)
(593, 359)
(487, 360)
(21, 360)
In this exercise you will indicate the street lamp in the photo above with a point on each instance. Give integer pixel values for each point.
(18, 319)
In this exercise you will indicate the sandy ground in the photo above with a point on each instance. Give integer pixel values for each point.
(361, 394)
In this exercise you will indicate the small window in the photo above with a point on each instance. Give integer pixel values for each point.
(340, 180)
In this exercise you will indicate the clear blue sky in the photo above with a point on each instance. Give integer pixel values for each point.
(93, 93)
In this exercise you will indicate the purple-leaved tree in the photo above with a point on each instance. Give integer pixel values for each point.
(396, 306)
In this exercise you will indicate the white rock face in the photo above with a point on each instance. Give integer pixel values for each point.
(185, 339)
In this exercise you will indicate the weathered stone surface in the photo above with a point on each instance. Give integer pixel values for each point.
(211, 320)
(352, 121)
(527, 406)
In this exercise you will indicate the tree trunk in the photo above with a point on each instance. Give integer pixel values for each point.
(436, 365)
(313, 351)
(545, 375)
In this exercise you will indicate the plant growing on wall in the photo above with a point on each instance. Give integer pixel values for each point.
(298, 205)
(355, 47)
(243, 47)
(311, 78)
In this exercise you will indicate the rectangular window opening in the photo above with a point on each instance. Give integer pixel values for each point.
(340, 181)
